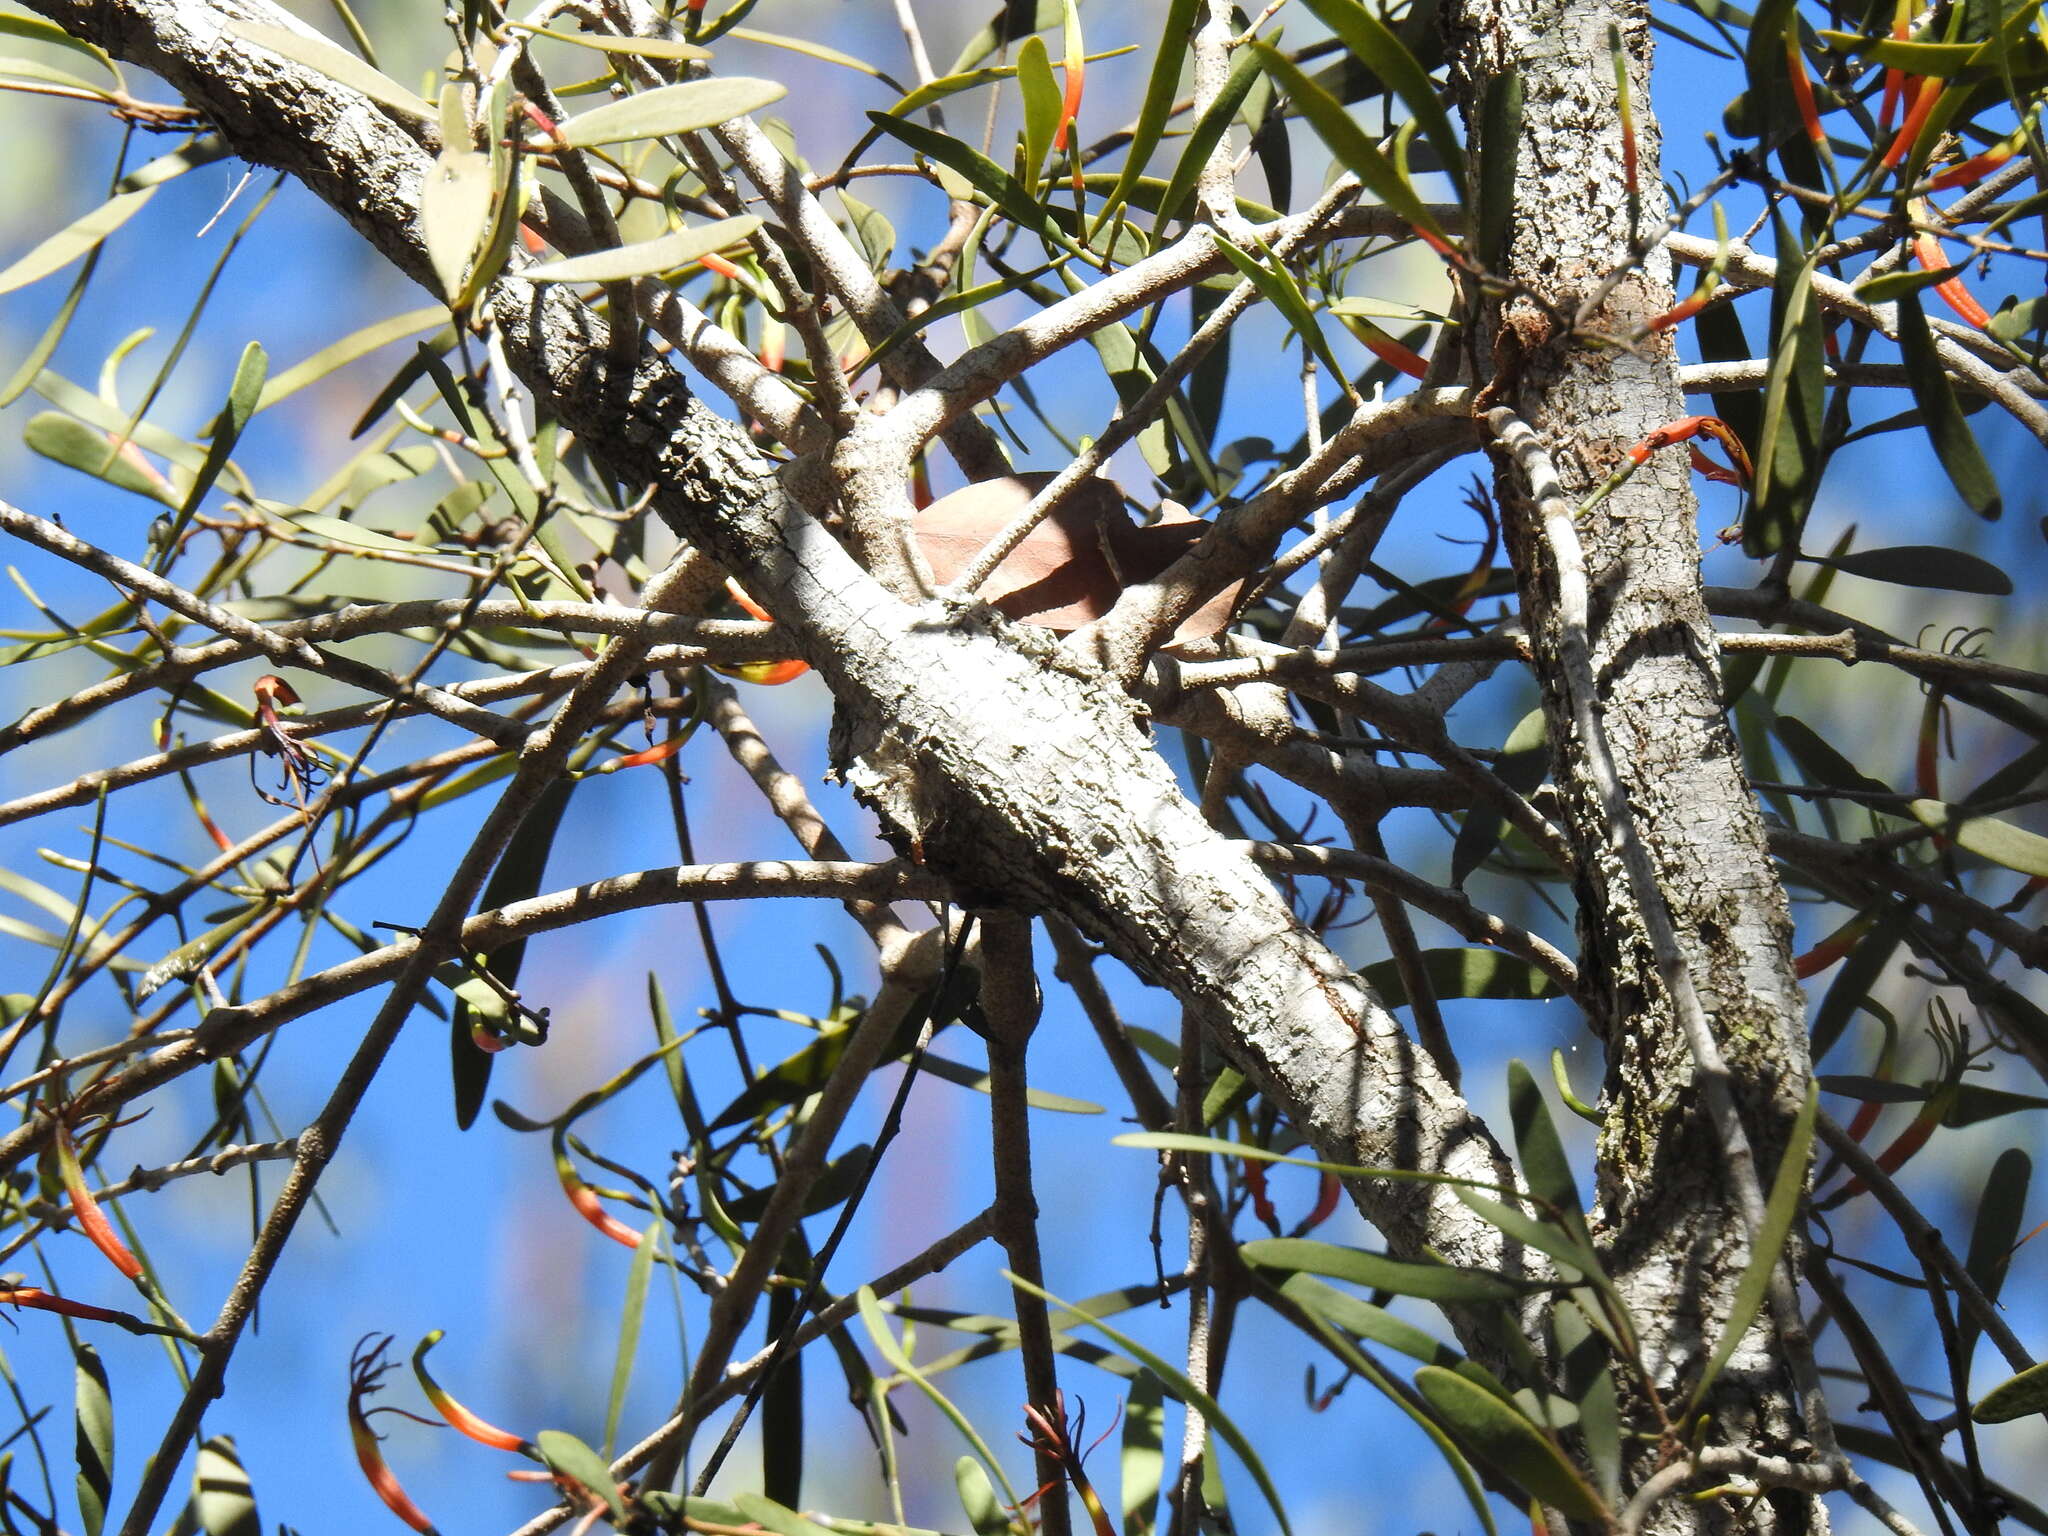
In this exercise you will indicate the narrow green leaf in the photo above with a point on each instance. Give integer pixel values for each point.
(1508, 1442)
(74, 240)
(978, 1499)
(72, 443)
(336, 63)
(37, 29)
(639, 47)
(1545, 1167)
(222, 1496)
(1142, 1455)
(1348, 142)
(638, 1273)
(1362, 1319)
(1466, 973)
(565, 1454)
(671, 109)
(1219, 1422)
(1579, 1260)
(1157, 107)
(981, 173)
(1012, 21)
(455, 204)
(1430, 1282)
(876, 234)
(93, 1414)
(1788, 461)
(1374, 45)
(343, 532)
(1042, 95)
(1883, 289)
(1954, 445)
(1788, 1189)
(1986, 836)
(2015, 1397)
(243, 393)
(340, 354)
(1818, 759)
(665, 253)
(1278, 287)
(1993, 1233)
(1500, 144)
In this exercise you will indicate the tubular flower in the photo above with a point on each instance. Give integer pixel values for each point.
(1927, 252)
(459, 1418)
(589, 1206)
(366, 1368)
(85, 1210)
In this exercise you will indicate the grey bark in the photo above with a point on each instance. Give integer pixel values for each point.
(1669, 1224)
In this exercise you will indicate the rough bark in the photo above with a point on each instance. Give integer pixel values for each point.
(1025, 777)
(1675, 1238)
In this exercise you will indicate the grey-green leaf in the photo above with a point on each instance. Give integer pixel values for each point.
(1954, 445)
(94, 1447)
(74, 240)
(671, 109)
(1508, 1442)
(663, 254)
(1431, 1282)
(2015, 1397)
(1788, 1188)
(1986, 836)
(565, 1454)
(336, 63)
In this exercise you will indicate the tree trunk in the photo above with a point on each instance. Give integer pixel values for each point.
(1671, 1229)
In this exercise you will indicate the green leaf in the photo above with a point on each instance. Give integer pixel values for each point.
(1219, 1421)
(2015, 1397)
(1042, 98)
(840, 1178)
(1923, 565)
(1954, 445)
(72, 443)
(1993, 1234)
(1348, 142)
(1545, 1168)
(981, 173)
(1011, 22)
(336, 63)
(1430, 1282)
(1160, 89)
(342, 532)
(1500, 144)
(93, 1414)
(671, 109)
(1986, 836)
(565, 1454)
(1788, 462)
(1891, 285)
(1508, 1442)
(455, 204)
(1278, 287)
(771, 1516)
(1466, 973)
(243, 393)
(74, 240)
(1363, 1320)
(638, 1273)
(978, 1499)
(1534, 1232)
(639, 47)
(678, 248)
(37, 29)
(223, 1497)
(1818, 759)
(876, 234)
(1375, 45)
(1788, 1189)
(341, 353)
(1142, 1455)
